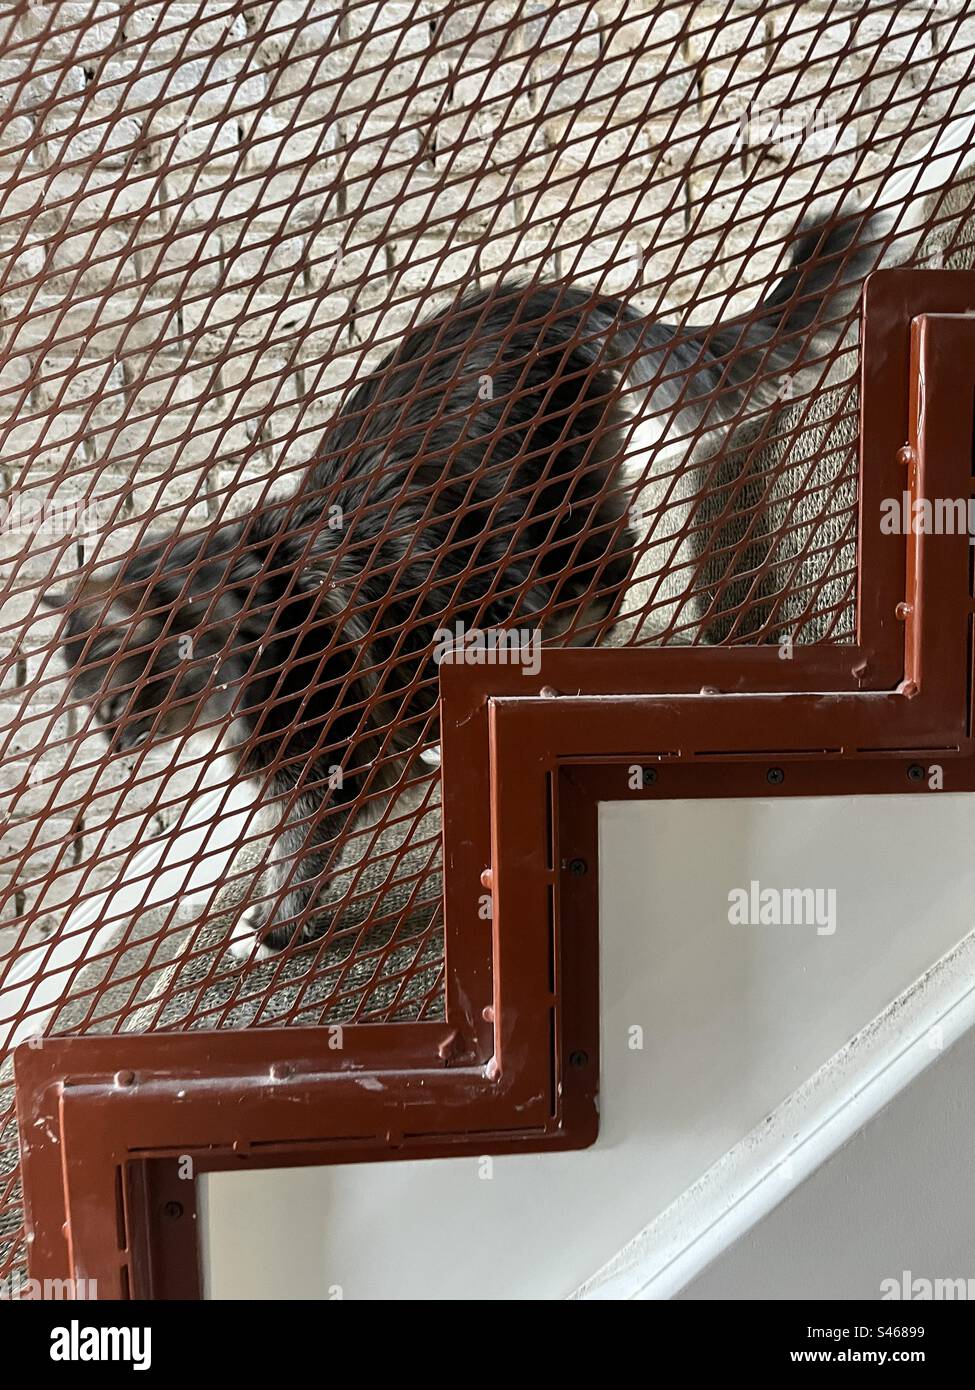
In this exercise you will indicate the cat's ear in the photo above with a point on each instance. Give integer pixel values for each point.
(52, 600)
(99, 602)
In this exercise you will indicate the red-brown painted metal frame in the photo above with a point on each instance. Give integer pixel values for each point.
(103, 1148)
(114, 1128)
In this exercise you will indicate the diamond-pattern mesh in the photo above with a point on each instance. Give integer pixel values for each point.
(217, 218)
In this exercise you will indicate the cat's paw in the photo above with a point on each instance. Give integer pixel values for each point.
(244, 941)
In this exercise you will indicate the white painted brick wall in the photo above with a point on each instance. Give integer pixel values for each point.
(210, 213)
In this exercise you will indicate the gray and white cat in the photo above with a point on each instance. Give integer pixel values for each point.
(311, 648)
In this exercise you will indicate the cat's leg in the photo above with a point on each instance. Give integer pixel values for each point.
(296, 873)
(243, 941)
(288, 885)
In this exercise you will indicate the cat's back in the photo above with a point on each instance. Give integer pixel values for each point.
(447, 379)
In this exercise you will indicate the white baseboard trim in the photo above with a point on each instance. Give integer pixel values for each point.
(817, 1119)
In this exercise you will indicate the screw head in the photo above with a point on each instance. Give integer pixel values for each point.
(649, 776)
(775, 776)
(578, 1059)
(915, 772)
(174, 1210)
(578, 867)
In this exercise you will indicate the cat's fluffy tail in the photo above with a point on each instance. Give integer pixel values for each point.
(837, 250)
(696, 378)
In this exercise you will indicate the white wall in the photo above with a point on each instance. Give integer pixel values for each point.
(734, 1019)
(897, 1197)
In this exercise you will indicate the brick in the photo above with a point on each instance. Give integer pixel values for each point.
(17, 136)
(654, 35)
(86, 27)
(98, 195)
(20, 631)
(97, 330)
(163, 28)
(30, 849)
(182, 264)
(287, 131)
(294, 27)
(76, 384)
(90, 129)
(93, 259)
